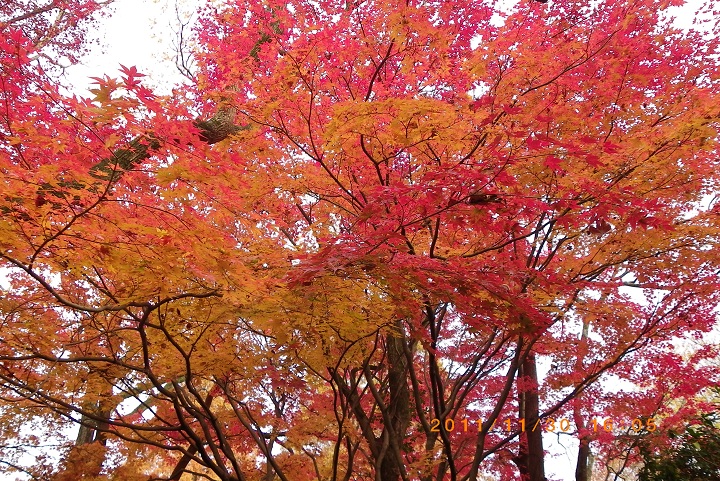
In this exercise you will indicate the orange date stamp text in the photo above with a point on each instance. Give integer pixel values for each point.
(550, 425)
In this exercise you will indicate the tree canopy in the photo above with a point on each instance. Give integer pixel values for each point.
(372, 241)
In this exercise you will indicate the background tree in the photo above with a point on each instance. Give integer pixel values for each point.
(680, 450)
(56, 29)
(695, 457)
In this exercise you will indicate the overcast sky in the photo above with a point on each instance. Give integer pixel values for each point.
(136, 33)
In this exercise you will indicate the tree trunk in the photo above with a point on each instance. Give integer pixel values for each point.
(210, 131)
(86, 434)
(398, 405)
(582, 471)
(531, 457)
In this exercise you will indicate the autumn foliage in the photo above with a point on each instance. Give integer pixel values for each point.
(364, 222)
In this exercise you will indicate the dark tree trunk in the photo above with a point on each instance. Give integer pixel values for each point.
(582, 468)
(86, 434)
(531, 457)
(582, 473)
(398, 405)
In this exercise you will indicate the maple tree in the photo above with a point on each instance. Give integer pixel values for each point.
(354, 248)
(695, 458)
(56, 29)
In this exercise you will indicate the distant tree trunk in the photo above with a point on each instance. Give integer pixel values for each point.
(86, 435)
(91, 429)
(398, 405)
(531, 456)
(583, 469)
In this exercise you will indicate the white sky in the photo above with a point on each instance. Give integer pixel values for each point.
(137, 33)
